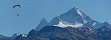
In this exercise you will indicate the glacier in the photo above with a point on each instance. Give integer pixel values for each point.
(76, 25)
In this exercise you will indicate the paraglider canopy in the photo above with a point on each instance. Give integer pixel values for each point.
(88, 28)
(17, 5)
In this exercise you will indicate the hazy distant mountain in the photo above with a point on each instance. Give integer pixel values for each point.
(43, 23)
(5, 38)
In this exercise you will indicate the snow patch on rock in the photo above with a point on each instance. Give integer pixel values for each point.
(63, 25)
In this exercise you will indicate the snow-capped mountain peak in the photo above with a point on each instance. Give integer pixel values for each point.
(73, 18)
(15, 35)
(78, 11)
(81, 14)
(18, 34)
(24, 35)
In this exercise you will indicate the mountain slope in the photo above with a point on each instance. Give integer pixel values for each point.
(43, 23)
(70, 18)
(5, 38)
(72, 25)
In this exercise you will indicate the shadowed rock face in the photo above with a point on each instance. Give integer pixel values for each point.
(69, 33)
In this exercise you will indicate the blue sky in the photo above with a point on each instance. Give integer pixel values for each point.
(33, 11)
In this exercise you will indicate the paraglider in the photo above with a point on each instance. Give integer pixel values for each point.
(88, 28)
(17, 14)
(17, 5)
